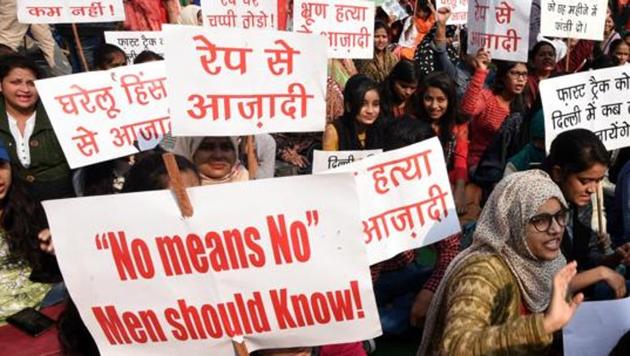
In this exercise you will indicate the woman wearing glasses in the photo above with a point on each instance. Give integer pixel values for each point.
(507, 293)
(489, 108)
(577, 162)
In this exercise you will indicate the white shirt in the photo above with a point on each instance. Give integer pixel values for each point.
(22, 147)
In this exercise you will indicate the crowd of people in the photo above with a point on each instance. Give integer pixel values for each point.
(532, 246)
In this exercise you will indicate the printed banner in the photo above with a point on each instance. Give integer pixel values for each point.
(348, 25)
(595, 100)
(501, 27)
(223, 83)
(405, 199)
(134, 42)
(325, 160)
(573, 19)
(260, 14)
(70, 11)
(459, 11)
(254, 263)
(98, 116)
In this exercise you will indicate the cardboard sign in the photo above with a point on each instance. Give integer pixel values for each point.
(134, 42)
(70, 11)
(501, 27)
(595, 100)
(260, 14)
(573, 19)
(459, 11)
(223, 83)
(325, 160)
(405, 199)
(254, 261)
(98, 116)
(348, 25)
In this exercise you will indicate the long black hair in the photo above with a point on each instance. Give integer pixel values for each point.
(443, 82)
(22, 219)
(353, 97)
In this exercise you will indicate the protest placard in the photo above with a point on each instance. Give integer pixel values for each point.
(325, 160)
(98, 116)
(394, 10)
(146, 281)
(501, 27)
(70, 11)
(595, 100)
(405, 199)
(134, 42)
(573, 19)
(261, 14)
(596, 328)
(223, 83)
(459, 11)
(348, 25)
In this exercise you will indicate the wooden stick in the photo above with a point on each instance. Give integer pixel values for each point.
(177, 185)
(566, 65)
(240, 349)
(77, 42)
(600, 207)
(252, 160)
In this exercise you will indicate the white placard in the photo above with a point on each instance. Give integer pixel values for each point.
(459, 11)
(405, 199)
(98, 116)
(573, 19)
(148, 282)
(134, 42)
(260, 14)
(596, 328)
(325, 160)
(225, 83)
(348, 25)
(70, 11)
(501, 27)
(595, 100)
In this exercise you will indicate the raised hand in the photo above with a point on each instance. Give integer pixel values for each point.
(561, 309)
(481, 60)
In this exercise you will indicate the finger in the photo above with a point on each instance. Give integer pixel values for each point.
(577, 300)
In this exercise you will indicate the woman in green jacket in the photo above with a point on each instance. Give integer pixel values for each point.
(36, 155)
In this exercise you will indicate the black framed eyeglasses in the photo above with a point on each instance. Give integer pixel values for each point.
(542, 222)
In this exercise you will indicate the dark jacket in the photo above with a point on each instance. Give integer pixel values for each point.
(48, 176)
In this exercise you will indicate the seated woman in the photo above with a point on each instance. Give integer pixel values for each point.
(36, 156)
(507, 293)
(20, 222)
(435, 103)
(577, 162)
(489, 108)
(360, 126)
(216, 158)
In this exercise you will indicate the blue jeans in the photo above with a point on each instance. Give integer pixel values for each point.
(395, 293)
(56, 295)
